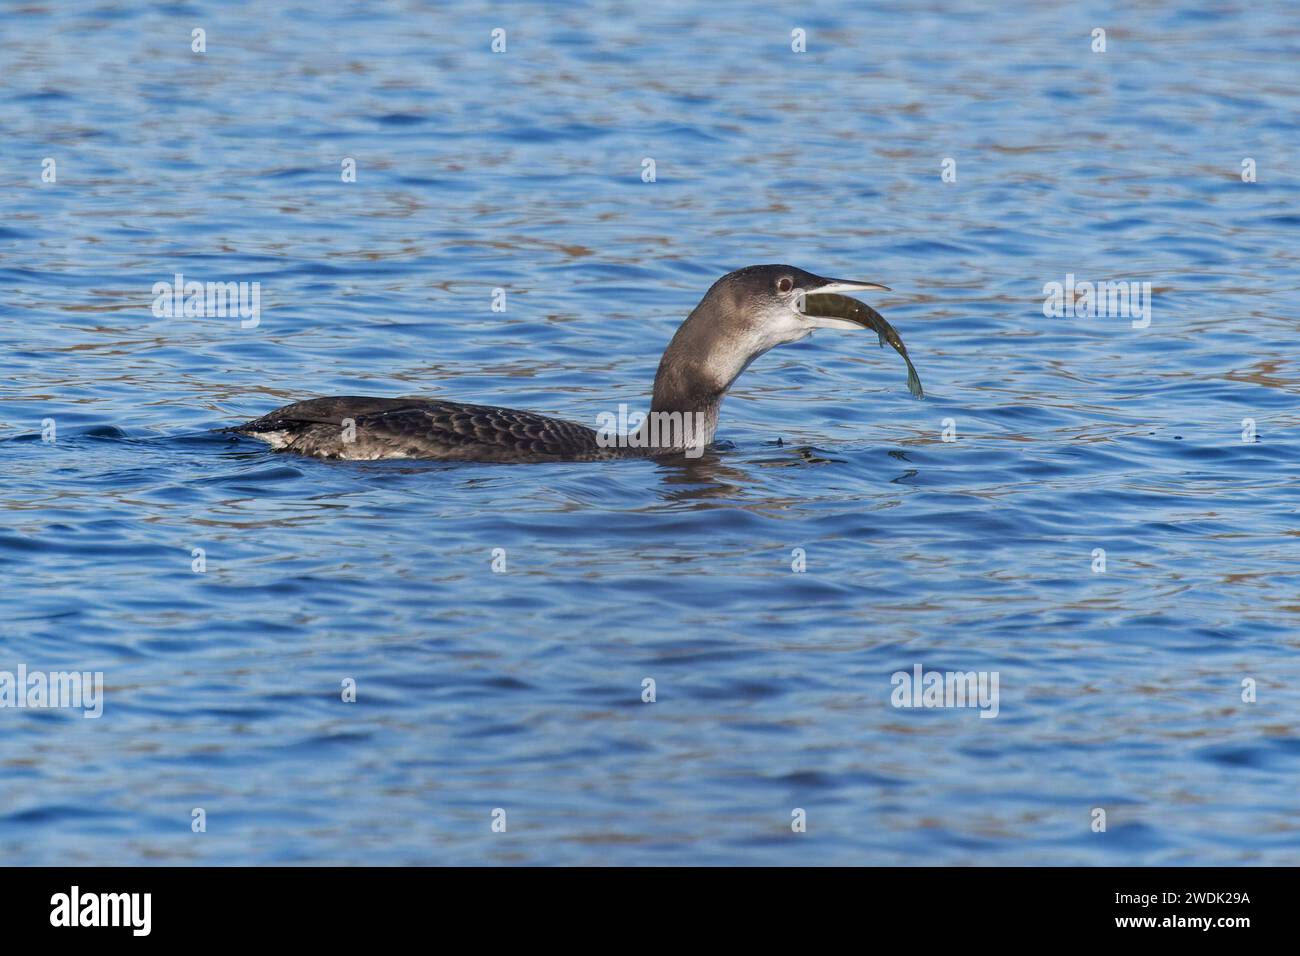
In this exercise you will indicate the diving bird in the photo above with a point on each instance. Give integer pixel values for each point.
(743, 315)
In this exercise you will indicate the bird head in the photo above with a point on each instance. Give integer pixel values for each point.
(758, 308)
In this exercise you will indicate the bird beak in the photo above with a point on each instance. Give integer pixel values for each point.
(824, 308)
(834, 315)
(828, 286)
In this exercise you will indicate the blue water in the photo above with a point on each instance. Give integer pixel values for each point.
(1120, 689)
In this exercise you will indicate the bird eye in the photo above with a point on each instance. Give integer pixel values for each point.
(784, 284)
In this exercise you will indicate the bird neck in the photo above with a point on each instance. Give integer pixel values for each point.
(686, 428)
(694, 374)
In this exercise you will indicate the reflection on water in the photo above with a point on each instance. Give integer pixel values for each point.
(840, 532)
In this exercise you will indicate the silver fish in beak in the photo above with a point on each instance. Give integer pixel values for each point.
(824, 308)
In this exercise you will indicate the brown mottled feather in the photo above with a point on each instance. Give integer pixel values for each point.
(424, 428)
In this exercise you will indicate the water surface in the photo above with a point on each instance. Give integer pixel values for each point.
(522, 690)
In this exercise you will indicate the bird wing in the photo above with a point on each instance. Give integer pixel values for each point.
(429, 428)
(456, 426)
(325, 411)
